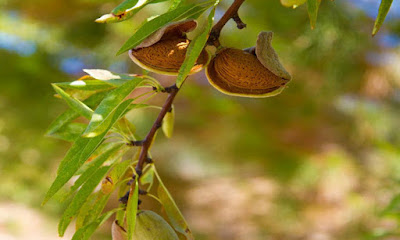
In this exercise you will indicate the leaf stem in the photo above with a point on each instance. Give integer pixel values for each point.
(232, 12)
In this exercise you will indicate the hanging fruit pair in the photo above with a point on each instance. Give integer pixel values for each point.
(254, 72)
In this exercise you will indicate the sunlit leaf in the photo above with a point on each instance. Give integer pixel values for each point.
(149, 27)
(168, 123)
(86, 85)
(174, 214)
(292, 3)
(69, 115)
(124, 11)
(120, 9)
(383, 11)
(108, 76)
(74, 103)
(194, 50)
(80, 198)
(102, 117)
(131, 209)
(76, 157)
(97, 162)
(69, 132)
(312, 8)
(85, 232)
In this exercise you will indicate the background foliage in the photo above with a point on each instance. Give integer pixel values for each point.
(319, 161)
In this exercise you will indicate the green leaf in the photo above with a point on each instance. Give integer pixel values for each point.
(195, 48)
(76, 157)
(124, 14)
(97, 208)
(85, 232)
(127, 128)
(62, 120)
(96, 163)
(74, 103)
(69, 115)
(120, 9)
(149, 27)
(168, 123)
(383, 11)
(312, 8)
(131, 209)
(174, 214)
(69, 132)
(109, 121)
(86, 207)
(103, 115)
(292, 3)
(175, 4)
(80, 198)
(86, 85)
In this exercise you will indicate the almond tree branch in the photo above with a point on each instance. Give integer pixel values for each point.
(232, 12)
(146, 142)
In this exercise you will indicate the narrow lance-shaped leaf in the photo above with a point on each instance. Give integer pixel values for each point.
(74, 103)
(86, 207)
(195, 48)
(131, 209)
(183, 11)
(77, 155)
(175, 216)
(69, 132)
(124, 14)
(71, 114)
(120, 9)
(383, 11)
(97, 208)
(102, 116)
(312, 8)
(85, 232)
(95, 164)
(86, 85)
(80, 198)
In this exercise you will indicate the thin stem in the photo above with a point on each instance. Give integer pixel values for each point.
(232, 12)
(145, 144)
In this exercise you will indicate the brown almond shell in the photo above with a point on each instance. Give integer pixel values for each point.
(240, 73)
(167, 56)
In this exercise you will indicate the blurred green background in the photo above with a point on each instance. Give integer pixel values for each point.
(321, 161)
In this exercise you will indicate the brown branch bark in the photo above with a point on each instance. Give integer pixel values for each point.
(232, 12)
(146, 142)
